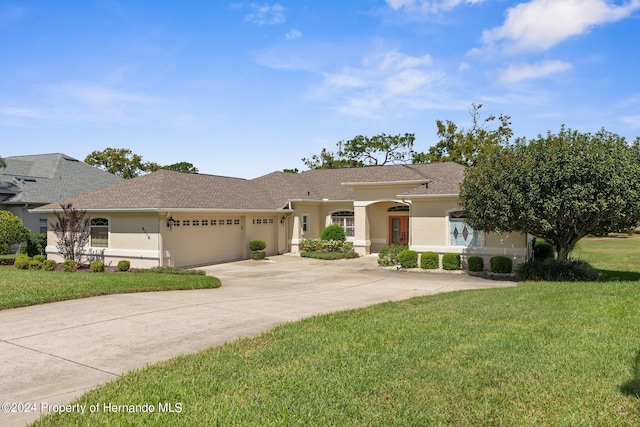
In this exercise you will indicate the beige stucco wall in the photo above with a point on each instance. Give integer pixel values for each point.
(147, 241)
(30, 220)
(319, 217)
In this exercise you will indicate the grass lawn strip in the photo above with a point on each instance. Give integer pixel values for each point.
(536, 354)
(19, 288)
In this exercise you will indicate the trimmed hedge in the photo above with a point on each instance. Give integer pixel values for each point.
(408, 259)
(258, 255)
(49, 265)
(501, 264)
(475, 263)
(451, 261)
(69, 265)
(333, 232)
(257, 245)
(124, 265)
(172, 270)
(96, 267)
(542, 250)
(34, 264)
(22, 262)
(310, 245)
(552, 270)
(429, 260)
(329, 255)
(388, 255)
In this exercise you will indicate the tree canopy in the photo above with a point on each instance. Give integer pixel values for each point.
(560, 187)
(126, 164)
(12, 231)
(465, 146)
(365, 151)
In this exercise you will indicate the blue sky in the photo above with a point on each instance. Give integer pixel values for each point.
(243, 88)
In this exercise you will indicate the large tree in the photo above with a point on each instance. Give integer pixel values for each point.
(73, 230)
(560, 187)
(126, 164)
(118, 161)
(12, 231)
(365, 151)
(465, 146)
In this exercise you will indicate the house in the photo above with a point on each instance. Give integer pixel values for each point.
(27, 182)
(174, 219)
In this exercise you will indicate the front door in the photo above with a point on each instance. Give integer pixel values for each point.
(399, 230)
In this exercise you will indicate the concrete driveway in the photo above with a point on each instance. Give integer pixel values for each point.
(52, 353)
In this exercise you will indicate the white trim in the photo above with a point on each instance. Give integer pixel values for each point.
(426, 196)
(167, 210)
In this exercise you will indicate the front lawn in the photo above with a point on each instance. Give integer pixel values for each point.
(20, 288)
(536, 354)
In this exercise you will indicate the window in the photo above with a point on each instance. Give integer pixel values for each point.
(99, 233)
(305, 224)
(460, 233)
(213, 222)
(196, 222)
(186, 222)
(398, 208)
(346, 220)
(236, 221)
(205, 222)
(229, 222)
(43, 225)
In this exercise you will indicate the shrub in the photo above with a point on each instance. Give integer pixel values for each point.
(36, 244)
(49, 265)
(408, 259)
(388, 255)
(257, 245)
(430, 260)
(475, 263)
(501, 264)
(542, 250)
(333, 232)
(70, 265)
(552, 270)
(22, 262)
(124, 265)
(258, 255)
(8, 259)
(96, 267)
(310, 245)
(329, 255)
(23, 250)
(40, 258)
(332, 245)
(451, 262)
(34, 264)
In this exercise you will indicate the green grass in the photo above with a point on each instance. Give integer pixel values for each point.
(537, 354)
(19, 288)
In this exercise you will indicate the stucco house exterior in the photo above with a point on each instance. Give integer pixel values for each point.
(27, 182)
(175, 219)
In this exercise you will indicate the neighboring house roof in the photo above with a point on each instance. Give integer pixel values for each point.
(46, 178)
(166, 190)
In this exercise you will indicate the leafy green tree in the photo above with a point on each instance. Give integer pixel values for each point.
(184, 167)
(464, 146)
(73, 230)
(12, 231)
(560, 187)
(365, 151)
(118, 161)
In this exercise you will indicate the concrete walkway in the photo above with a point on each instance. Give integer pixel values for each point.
(52, 353)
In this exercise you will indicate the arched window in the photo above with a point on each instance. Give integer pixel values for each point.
(99, 233)
(398, 208)
(346, 220)
(460, 233)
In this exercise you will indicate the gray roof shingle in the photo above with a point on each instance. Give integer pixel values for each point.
(164, 190)
(46, 178)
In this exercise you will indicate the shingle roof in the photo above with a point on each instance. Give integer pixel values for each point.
(46, 178)
(174, 190)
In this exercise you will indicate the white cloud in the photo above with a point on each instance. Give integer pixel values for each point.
(266, 14)
(632, 121)
(541, 24)
(95, 94)
(429, 6)
(518, 73)
(293, 34)
(385, 82)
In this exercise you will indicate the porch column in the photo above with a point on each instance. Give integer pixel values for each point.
(362, 242)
